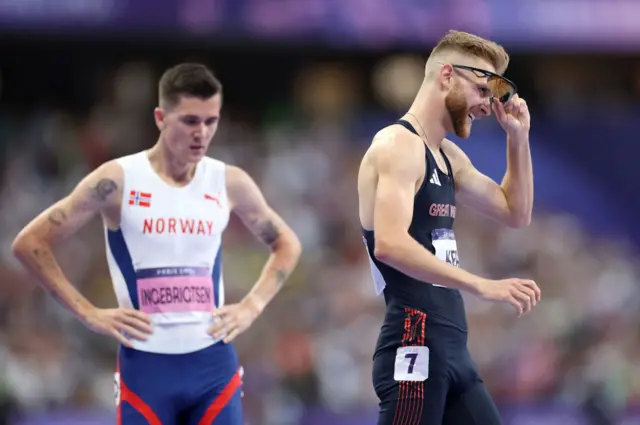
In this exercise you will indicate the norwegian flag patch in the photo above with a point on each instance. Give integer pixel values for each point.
(140, 199)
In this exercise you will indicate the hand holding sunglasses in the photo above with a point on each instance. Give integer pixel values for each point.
(513, 117)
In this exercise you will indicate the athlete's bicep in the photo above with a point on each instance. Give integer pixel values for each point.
(248, 203)
(480, 193)
(68, 215)
(398, 168)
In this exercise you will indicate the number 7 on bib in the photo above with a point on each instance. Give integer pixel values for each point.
(412, 364)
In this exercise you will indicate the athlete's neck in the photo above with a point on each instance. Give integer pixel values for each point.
(169, 167)
(429, 115)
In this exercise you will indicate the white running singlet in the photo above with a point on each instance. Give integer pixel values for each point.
(165, 259)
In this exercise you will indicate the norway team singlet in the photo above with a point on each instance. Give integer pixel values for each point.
(165, 260)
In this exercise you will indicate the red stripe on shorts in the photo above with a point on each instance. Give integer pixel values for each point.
(221, 401)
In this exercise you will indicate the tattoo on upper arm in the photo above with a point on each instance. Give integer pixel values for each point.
(268, 232)
(104, 188)
(57, 216)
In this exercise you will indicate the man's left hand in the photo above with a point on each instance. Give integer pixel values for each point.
(513, 117)
(233, 319)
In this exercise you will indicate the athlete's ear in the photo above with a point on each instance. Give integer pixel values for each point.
(446, 75)
(158, 115)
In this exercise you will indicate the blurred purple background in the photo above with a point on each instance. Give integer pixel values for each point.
(307, 84)
(552, 24)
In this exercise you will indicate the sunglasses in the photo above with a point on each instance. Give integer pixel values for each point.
(500, 87)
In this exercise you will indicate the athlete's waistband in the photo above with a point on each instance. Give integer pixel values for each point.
(177, 338)
(445, 312)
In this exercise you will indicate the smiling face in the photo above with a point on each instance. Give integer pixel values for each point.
(467, 96)
(465, 92)
(188, 126)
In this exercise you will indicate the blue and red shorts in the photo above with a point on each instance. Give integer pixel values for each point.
(198, 388)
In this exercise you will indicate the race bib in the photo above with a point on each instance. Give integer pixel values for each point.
(412, 364)
(444, 242)
(175, 290)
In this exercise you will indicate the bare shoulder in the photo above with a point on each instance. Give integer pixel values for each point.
(235, 174)
(242, 190)
(394, 162)
(99, 192)
(249, 204)
(105, 182)
(100, 188)
(394, 149)
(456, 156)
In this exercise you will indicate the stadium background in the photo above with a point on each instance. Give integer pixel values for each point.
(307, 83)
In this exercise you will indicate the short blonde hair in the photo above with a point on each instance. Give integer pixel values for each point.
(466, 43)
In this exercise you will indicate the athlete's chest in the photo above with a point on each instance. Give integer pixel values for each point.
(187, 220)
(436, 196)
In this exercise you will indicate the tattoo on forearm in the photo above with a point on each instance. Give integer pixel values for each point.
(57, 216)
(269, 233)
(44, 259)
(104, 188)
(281, 276)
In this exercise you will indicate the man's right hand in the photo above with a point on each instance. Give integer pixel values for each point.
(522, 294)
(116, 321)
